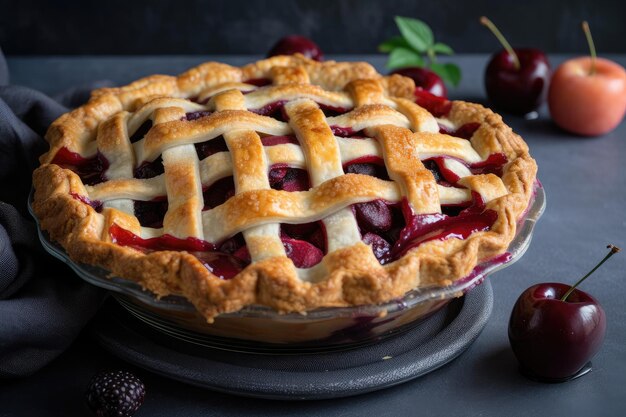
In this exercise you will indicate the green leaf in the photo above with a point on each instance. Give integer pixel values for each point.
(442, 48)
(393, 43)
(403, 57)
(449, 73)
(416, 33)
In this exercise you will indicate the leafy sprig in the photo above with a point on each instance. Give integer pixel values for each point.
(417, 48)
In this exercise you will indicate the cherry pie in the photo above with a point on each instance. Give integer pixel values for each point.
(287, 183)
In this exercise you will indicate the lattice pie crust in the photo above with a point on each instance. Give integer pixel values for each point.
(213, 102)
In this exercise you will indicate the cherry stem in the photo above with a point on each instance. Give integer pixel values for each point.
(613, 251)
(486, 22)
(592, 47)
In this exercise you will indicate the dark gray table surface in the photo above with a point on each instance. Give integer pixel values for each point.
(585, 185)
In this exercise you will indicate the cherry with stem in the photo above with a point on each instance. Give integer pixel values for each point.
(484, 20)
(613, 251)
(516, 79)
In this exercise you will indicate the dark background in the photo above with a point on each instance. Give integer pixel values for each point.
(339, 27)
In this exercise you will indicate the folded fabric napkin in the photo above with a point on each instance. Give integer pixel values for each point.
(43, 304)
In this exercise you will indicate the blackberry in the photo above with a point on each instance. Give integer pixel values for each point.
(115, 393)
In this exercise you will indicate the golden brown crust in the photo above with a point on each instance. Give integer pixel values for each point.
(346, 276)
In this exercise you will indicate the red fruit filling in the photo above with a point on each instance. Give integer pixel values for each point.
(221, 264)
(380, 224)
(210, 147)
(304, 235)
(151, 213)
(408, 230)
(374, 216)
(95, 204)
(494, 164)
(380, 246)
(124, 237)
(305, 244)
(303, 254)
(141, 132)
(465, 131)
(432, 166)
(437, 106)
(259, 82)
(194, 115)
(289, 179)
(218, 193)
(90, 170)
(279, 140)
(347, 132)
(332, 111)
(426, 227)
(367, 165)
(276, 109)
(150, 169)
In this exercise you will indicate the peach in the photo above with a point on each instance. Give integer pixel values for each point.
(586, 103)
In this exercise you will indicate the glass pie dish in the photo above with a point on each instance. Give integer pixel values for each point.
(261, 329)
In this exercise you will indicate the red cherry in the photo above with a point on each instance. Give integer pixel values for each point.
(232, 244)
(318, 238)
(223, 265)
(303, 254)
(219, 192)
(438, 106)
(425, 79)
(555, 329)
(289, 179)
(553, 338)
(293, 44)
(380, 246)
(242, 253)
(374, 216)
(518, 90)
(299, 231)
(516, 80)
(367, 168)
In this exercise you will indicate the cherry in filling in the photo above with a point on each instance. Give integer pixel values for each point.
(393, 229)
(367, 165)
(194, 115)
(464, 132)
(305, 244)
(346, 132)
(150, 169)
(259, 82)
(276, 109)
(221, 264)
(284, 178)
(90, 170)
(494, 164)
(210, 147)
(95, 204)
(151, 213)
(218, 192)
(141, 132)
(332, 111)
(422, 228)
(436, 105)
(279, 140)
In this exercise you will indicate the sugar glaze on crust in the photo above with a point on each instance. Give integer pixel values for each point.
(398, 131)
